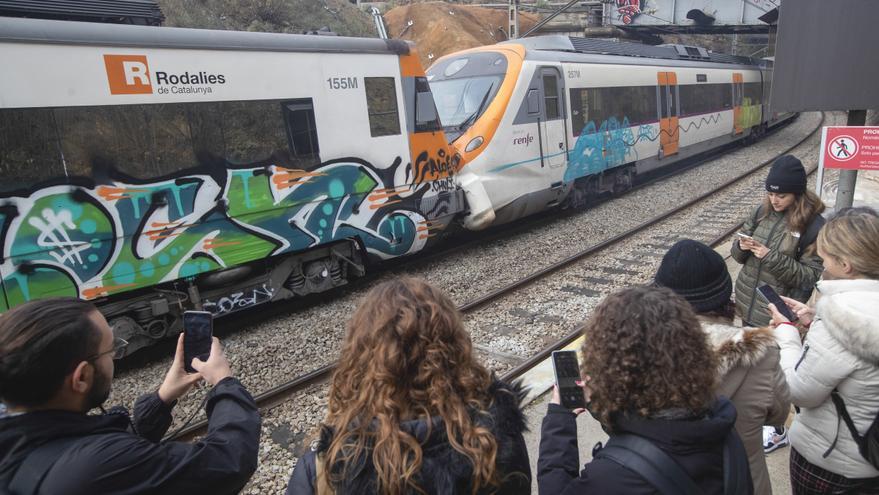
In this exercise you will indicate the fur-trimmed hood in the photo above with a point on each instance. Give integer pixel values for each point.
(848, 308)
(736, 346)
(445, 470)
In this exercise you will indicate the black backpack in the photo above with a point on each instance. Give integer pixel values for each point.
(868, 445)
(640, 455)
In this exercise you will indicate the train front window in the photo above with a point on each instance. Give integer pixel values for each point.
(460, 101)
(463, 87)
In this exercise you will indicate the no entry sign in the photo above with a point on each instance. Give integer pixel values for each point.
(852, 148)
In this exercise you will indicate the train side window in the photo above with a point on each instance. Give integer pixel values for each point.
(663, 101)
(640, 104)
(704, 98)
(533, 100)
(381, 104)
(579, 110)
(551, 96)
(600, 109)
(673, 100)
(206, 129)
(141, 141)
(302, 133)
(254, 131)
(426, 116)
(753, 93)
(28, 148)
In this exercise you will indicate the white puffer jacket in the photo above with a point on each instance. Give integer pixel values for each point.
(841, 351)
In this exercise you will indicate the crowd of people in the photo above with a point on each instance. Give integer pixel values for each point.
(692, 377)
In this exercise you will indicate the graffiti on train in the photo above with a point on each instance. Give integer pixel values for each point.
(239, 300)
(601, 147)
(93, 240)
(437, 171)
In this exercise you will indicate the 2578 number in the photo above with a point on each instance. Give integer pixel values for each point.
(342, 82)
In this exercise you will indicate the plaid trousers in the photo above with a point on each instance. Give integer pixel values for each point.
(809, 479)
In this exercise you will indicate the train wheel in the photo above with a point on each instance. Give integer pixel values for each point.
(623, 181)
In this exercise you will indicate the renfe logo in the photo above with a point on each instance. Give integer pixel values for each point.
(128, 74)
(526, 140)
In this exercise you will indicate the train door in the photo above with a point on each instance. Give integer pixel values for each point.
(668, 113)
(552, 127)
(738, 88)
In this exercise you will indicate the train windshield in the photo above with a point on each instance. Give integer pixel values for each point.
(463, 87)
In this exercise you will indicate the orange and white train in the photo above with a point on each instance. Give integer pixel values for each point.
(544, 121)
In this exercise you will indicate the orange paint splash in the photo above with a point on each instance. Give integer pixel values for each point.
(162, 234)
(376, 197)
(284, 178)
(213, 244)
(110, 193)
(103, 291)
(375, 207)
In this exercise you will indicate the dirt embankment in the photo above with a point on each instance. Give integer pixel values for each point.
(439, 28)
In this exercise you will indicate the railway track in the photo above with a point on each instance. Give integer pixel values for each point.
(279, 394)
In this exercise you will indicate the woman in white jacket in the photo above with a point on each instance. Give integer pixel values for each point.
(840, 352)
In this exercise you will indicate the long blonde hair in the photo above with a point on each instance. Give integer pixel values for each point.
(800, 214)
(853, 235)
(407, 355)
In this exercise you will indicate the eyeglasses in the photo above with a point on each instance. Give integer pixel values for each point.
(118, 350)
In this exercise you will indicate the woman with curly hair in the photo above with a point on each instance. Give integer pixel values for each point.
(749, 373)
(411, 410)
(650, 376)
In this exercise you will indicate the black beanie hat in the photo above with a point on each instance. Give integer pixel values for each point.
(787, 175)
(697, 273)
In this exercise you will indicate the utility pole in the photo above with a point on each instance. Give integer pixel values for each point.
(379, 23)
(513, 27)
(845, 191)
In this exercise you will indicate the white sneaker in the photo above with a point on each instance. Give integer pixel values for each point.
(774, 439)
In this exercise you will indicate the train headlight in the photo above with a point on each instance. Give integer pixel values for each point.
(473, 144)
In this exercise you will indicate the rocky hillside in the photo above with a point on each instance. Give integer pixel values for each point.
(283, 16)
(438, 28)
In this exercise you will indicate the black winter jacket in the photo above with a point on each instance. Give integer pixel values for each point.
(108, 458)
(696, 445)
(444, 471)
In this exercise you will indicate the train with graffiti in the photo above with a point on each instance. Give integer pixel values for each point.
(153, 170)
(555, 120)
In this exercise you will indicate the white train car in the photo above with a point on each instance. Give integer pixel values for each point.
(156, 169)
(541, 121)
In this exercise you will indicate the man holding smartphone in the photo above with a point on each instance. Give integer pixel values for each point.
(56, 364)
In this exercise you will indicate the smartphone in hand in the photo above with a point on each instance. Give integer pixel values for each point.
(567, 373)
(744, 236)
(770, 295)
(198, 332)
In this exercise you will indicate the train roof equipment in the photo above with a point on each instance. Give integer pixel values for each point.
(597, 46)
(138, 12)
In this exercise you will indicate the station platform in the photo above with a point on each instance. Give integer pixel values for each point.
(539, 380)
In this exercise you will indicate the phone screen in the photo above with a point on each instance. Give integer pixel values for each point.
(770, 295)
(198, 330)
(567, 373)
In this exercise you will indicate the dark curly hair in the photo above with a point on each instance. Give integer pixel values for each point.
(644, 351)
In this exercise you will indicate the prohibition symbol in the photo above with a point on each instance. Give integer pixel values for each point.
(843, 148)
